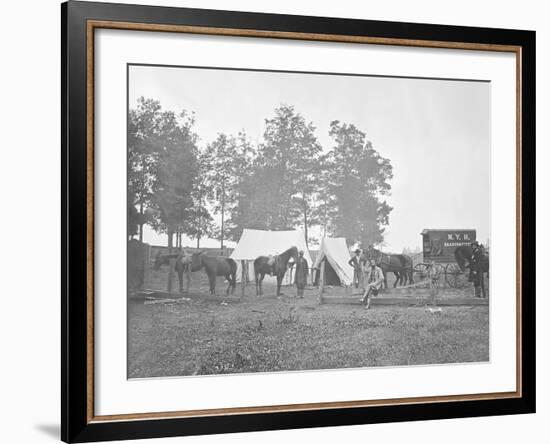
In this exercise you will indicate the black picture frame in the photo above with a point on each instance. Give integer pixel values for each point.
(76, 423)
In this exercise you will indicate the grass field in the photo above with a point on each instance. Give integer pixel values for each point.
(197, 337)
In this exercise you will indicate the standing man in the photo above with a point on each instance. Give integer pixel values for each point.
(301, 274)
(476, 272)
(355, 262)
(374, 278)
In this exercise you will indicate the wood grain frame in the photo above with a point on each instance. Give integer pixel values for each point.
(79, 22)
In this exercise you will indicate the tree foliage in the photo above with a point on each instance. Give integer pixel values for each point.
(357, 180)
(162, 165)
(285, 181)
(285, 171)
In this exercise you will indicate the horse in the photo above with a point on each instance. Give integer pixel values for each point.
(398, 264)
(182, 263)
(408, 268)
(477, 263)
(215, 266)
(276, 265)
(463, 256)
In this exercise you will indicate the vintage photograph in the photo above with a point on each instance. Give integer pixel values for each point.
(292, 221)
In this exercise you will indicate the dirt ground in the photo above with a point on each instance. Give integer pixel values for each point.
(197, 337)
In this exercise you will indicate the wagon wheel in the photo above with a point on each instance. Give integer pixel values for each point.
(455, 277)
(421, 270)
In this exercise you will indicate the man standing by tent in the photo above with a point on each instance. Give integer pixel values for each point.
(374, 279)
(301, 274)
(355, 262)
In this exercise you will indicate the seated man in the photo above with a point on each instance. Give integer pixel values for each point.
(374, 278)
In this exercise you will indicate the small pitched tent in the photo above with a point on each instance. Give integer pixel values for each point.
(335, 251)
(254, 243)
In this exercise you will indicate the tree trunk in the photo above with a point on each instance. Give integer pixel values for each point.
(170, 235)
(223, 211)
(198, 242)
(141, 221)
(305, 220)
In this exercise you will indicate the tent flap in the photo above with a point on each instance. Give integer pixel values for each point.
(337, 254)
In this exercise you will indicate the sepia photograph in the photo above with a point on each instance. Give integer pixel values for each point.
(294, 221)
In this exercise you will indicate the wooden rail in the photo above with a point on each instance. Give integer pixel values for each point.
(458, 301)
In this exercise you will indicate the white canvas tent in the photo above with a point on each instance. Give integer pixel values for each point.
(336, 252)
(254, 243)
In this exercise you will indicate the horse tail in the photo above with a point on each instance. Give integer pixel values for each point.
(232, 271)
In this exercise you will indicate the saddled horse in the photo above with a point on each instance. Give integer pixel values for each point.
(400, 265)
(273, 265)
(182, 263)
(215, 266)
(478, 264)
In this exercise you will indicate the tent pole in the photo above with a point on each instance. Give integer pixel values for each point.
(243, 277)
(322, 281)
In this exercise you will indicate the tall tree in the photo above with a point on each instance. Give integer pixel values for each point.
(228, 159)
(143, 135)
(198, 222)
(358, 179)
(242, 190)
(286, 169)
(325, 209)
(176, 173)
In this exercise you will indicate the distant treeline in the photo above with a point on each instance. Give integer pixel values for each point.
(285, 181)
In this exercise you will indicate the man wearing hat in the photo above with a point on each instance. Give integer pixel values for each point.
(355, 262)
(301, 274)
(476, 275)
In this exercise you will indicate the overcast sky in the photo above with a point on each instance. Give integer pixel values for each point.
(435, 132)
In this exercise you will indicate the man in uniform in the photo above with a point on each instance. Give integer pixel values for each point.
(355, 262)
(301, 274)
(476, 274)
(374, 278)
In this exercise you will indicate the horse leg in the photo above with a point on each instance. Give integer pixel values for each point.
(228, 279)
(180, 278)
(260, 283)
(279, 282)
(212, 279)
(187, 281)
(385, 279)
(233, 277)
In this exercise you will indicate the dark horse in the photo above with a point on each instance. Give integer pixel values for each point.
(216, 266)
(477, 263)
(273, 265)
(182, 262)
(399, 264)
